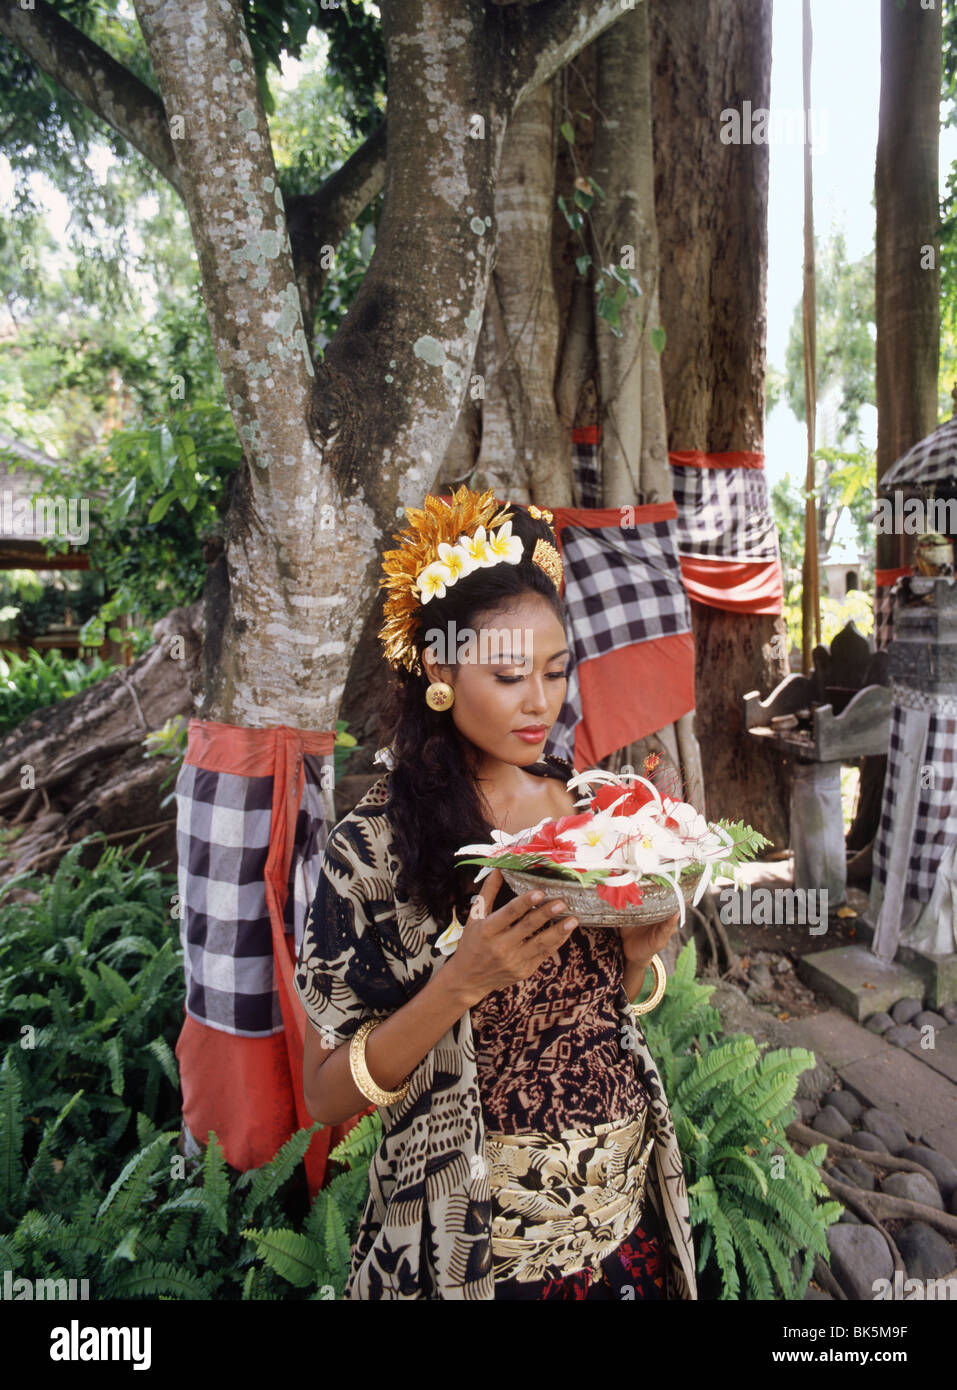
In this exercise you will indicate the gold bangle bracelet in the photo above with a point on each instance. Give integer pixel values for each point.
(360, 1072)
(661, 979)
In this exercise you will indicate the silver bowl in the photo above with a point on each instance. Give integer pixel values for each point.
(658, 901)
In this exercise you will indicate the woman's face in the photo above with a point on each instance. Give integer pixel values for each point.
(510, 674)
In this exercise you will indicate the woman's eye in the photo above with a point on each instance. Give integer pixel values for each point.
(552, 676)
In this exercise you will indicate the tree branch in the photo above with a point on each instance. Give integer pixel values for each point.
(90, 75)
(322, 218)
(547, 35)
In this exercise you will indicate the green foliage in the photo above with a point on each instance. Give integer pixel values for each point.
(168, 1228)
(35, 601)
(752, 1198)
(91, 989)
(843, 479)
(91, 996)
(613, 283)
(948, 218)
(32, 682)
(845, 335)
(856, 606)
(168, 742)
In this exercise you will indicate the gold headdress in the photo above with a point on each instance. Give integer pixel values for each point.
(444, 542)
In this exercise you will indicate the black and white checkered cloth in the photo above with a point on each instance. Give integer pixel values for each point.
(622, 586)
(936, 823)
(222, 837)
(586, 463)
(724, 513)
(930, 460)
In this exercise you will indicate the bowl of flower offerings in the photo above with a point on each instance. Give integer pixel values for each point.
(631, 856)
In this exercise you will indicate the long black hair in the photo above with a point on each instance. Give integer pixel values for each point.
(434, 804)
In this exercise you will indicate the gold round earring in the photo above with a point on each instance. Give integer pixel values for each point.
(439, 696)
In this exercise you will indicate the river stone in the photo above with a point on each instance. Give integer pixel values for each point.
(806, 1109)
(902, 1035)
(850, 1218)
(818, 1296)
(925, 1252)
(832, 1122)
(943, 1168)
(852, 1170)
(862, 1139)
(859, 1257)
(849, 1106)
(926, 1016)
(953, 1203)
(905, 1009)
(949, 1010)
(914, 1187)
(761, 976)
(879, 1023)
(888, 1129)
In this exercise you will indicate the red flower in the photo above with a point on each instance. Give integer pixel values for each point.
(620, 896)
(546, 841)
(637, 797)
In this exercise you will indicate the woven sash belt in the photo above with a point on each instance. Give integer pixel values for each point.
(561, 1203)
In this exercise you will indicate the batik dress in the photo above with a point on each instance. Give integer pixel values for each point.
(551, 1064)
(426, 1230)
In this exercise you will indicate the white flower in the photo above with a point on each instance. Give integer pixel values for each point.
(432, 581)
(488, 549)
(456, 559)
(500, 842)
(449, 939)
(690, 821)
(505, 546)
(598, 837)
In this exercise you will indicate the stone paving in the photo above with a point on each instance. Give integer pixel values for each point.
(865, 1091)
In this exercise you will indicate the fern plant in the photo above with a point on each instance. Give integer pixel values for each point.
(753, 1200)
(166, 1228)
(318, 1258)
(91, 998)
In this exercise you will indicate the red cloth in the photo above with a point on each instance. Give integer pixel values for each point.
(631, 692)
(695, 458)
(243, 1090)
(883, 579)
(739, 586)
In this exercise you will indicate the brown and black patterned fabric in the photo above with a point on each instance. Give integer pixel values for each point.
(426, 1229)
(549, 1048)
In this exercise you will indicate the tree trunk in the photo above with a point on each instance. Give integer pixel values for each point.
(907, 242)
(332, 452)
(532, 399)
(78, 766)
(711, 204)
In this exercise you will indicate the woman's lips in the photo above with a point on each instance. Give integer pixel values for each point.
(531, 736)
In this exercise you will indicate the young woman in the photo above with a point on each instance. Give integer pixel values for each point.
(527, 1146)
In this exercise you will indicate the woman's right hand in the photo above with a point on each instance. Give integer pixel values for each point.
(498, 948)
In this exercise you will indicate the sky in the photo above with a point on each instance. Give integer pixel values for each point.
(845, 96)
(845, 99)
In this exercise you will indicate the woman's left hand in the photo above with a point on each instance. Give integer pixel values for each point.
(639, 944)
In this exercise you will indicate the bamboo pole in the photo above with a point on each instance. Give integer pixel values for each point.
(810, 597)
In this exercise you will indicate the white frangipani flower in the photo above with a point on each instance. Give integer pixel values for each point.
(456, 559)
(432, 581)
